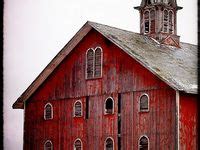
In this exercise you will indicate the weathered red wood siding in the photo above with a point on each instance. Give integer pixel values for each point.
(188, 122)
(121, 74)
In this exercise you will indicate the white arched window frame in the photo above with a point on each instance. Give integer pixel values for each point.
(143, 136)
(45, 111)
(105, 143)
(165, 21)
(106, 111)
(146, 21)
(171, 22)
(94, 67)
(48, 148)
(75, 109)
(81, 144)
(140, 98)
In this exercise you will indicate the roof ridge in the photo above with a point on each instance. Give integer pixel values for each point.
(91, 23)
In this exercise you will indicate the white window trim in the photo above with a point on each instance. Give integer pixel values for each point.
(98, 47)
(87, 63)
(46, 142)
(147, 140)
(81, 109)
(113, 110)
(45, 111)
(139, 103)
(78, 139)
(93, 68)
(106, 140)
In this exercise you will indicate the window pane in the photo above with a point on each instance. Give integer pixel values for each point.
(78, 109)
(170, 22)
(48, 146)
(109, 106)
(90, 63)
(144, 102)
(165, 27)
(143, 145)
(152, 13)
(109, 144)
(48, 112)
(98, 56)
(77, 145)
(146, 22)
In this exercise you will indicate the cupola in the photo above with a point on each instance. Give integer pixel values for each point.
(158, 20)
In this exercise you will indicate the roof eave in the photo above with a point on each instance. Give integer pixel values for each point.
(19, 103)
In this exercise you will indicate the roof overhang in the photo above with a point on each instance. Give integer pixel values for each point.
(19, 103)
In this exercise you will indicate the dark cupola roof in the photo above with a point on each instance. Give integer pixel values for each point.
(171, 3)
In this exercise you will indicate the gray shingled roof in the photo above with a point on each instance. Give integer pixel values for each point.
(176, 66)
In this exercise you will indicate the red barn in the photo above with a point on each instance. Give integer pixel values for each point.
(110, 88)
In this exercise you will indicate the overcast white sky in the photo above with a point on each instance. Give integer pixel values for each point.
(36, 30)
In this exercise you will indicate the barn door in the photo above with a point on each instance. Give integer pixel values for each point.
(126, 116)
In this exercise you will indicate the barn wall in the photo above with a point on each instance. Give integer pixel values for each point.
(121, 74)
(188, 122)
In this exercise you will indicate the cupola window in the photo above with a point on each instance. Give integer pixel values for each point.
(171, 26)
(146, 22)
(152, 16)
(165, 21)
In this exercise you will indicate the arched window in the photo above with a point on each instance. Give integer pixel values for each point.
(109, 144)
(144, 143)
(78, 108)
(98, 63)
(90, 63)
(165, 21)
(109, 106)
(152, 16)
(146, 22)
(144, 102)
(171, 25)
(48, 145)
(48, 111)
(94, 63)
(78, 144)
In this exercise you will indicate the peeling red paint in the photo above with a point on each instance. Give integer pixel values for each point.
(121, 74)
